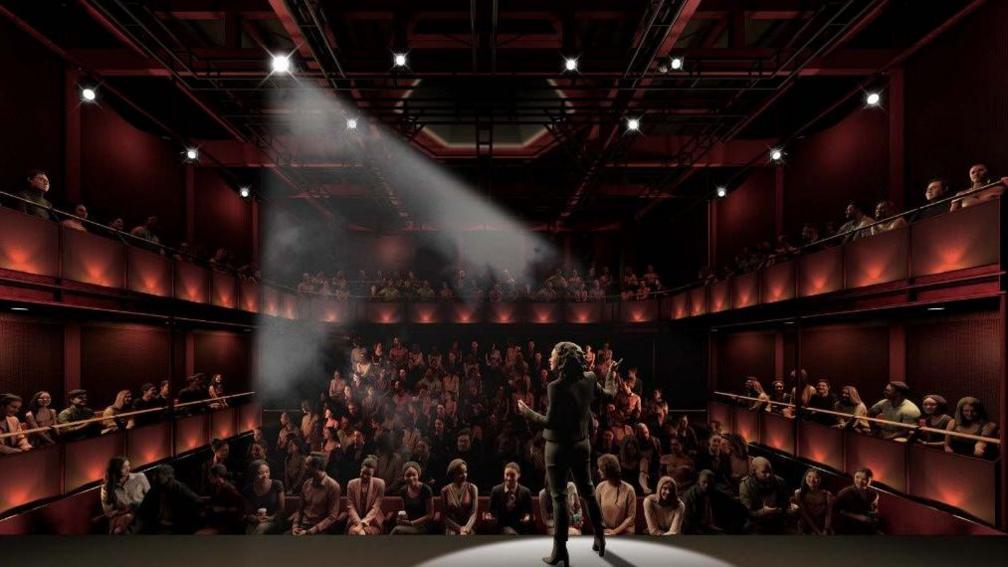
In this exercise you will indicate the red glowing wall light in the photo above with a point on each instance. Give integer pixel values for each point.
(248, 292)
(92, 259)
(698, 300)
(543, 313)
(877, 259)
(190, 433)
(191, 282)
(28, 244)
(886, 459)
(955, 241)
(961, 481)
(85, 461)
(148, 272)
(149, 444)
(224, 286)
(30, 476)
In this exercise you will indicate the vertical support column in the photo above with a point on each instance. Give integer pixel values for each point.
(778, 354)
(711, 234)
(1002, 501)
(255, 231)
(190, 203)
(71, 357)
(72, 138)
(895, 108)
(897, 352)
(190, 354)
(778, 200)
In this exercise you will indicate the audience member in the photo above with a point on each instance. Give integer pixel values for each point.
(417, 514)
(702, 504)
(814, 505)
(765, 498)
(979, 176)
(265, 501)
(34, 192)
(857, 224)
(122, 492)
(225, 506)
(856, 507)
(895, 407)
(459, 498)
(364, 500)
(935, 416)
(936, 190)
(169, 507)
(664, 510)
(78, 410)
(971, 418)
(123, 404)
(510, 504)
(40, 415)
(320, 500)
(850, 403)
(75, 222)
(617, 498)
(884, 210)
(15, 442)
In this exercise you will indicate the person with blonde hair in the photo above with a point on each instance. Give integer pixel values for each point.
(123, 403)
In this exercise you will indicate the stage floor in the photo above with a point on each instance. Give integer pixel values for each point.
(489, 551)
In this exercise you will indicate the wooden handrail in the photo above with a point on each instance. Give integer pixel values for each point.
(874, 420)
(57, 426)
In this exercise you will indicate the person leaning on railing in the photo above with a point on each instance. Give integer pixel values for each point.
(897, 408)
(10, 406)
(78, 410)
(979, 177)
(971, 418)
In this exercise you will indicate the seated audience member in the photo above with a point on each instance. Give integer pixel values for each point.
(459, 499)
(677, 464)
(823, 399)
(809, 234)
(265, 501)
(765, 497)
(146, 230)
(617, 498)
(664, 510)
(884, 210)
(34, 191)
(755, 390)
(510, 504)
(815, 505)
(703, 505)
(979, 176)
(364, 500)
(971, 418)
(40, 414)
(417, 514)
(576, 517)
(778, 393)
(856, 225)
(117, 224)
(226, 507)
(320, 500)
(123, 404)
(294, 464)
(148, 400)
(935, 416)
(897, 408)
(10, 405)
(850, 402)
(78, 410)
(80, 211)
(221, 452)
(169, 507)
(936, 190)
(715, 459)
(855, 510)
(121, 494)
(216, 391)
(195, 390)
(164, 393)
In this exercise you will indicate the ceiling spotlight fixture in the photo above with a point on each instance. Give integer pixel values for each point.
(676, 63)
(19, 309)
(351, 124)
(873, 99)
(399, 59)
(722, 191)
(281, 63)
(570, 64)
(192, 154)
(776, 154)
(633, 124)
(244, 192)
(88, 94)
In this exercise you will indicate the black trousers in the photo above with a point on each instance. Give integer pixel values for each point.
(574, 459)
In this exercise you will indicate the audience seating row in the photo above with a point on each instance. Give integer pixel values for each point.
(961, 481)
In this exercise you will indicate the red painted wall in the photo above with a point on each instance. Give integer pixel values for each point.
(31, 357)
(226, 353)
(222, 218)
(31, 111)
(957, 102)
(121, 356)
(847, 161)
(746, 216)
(131, 173)
(744, 354)
(848, 354)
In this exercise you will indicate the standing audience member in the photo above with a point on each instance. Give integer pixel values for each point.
(121, 494)
(936, 190)
(148, 400)
(979, 176)
(320, 500)
(856, 507)
(971, 418)
(815, 505)
(664, 510)
(850, 403)
(616, 497)
(884, 210)
(80, 211)
(856, 225)
(123, 404)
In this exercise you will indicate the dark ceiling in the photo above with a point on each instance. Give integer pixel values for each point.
(485, 91)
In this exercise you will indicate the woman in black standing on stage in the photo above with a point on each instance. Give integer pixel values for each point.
(566, 422)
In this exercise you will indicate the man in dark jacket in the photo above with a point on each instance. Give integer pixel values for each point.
(765, 498)
(169, 507)
(510, 504)
(34, 192)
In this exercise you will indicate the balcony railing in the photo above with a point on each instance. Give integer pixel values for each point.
(47, 472)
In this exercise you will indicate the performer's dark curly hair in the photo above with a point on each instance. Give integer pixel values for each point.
(570, 360)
